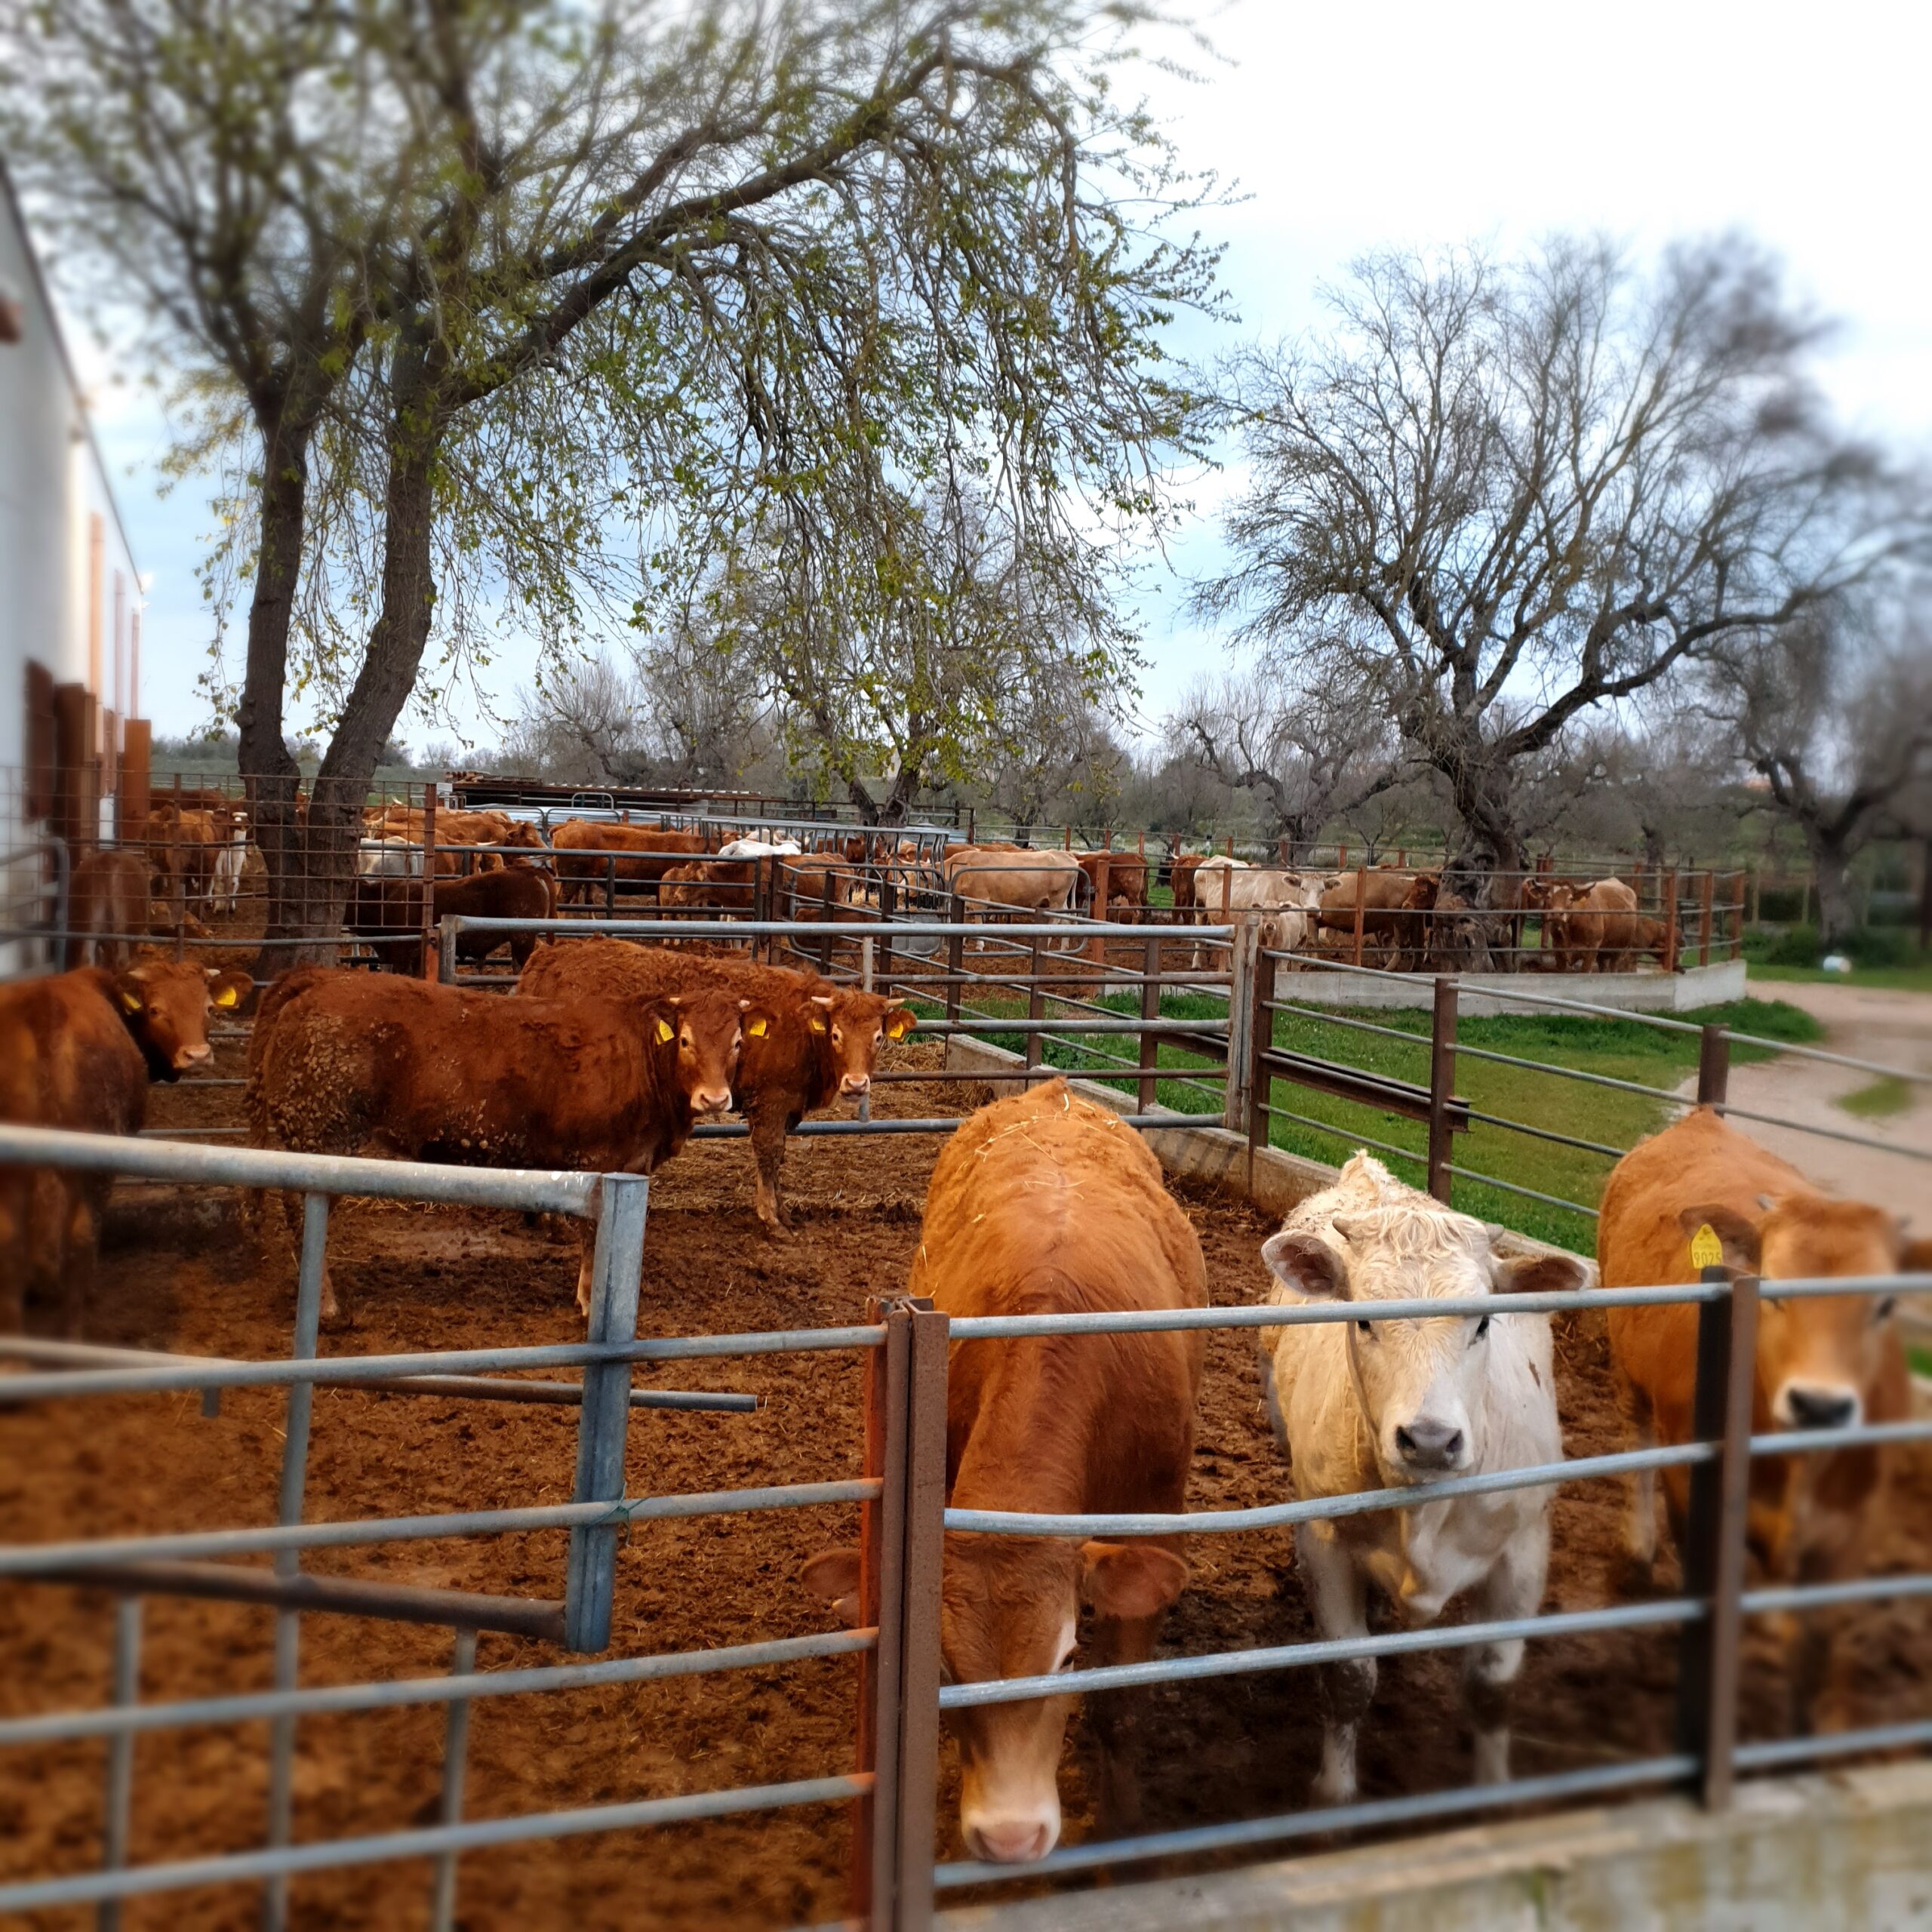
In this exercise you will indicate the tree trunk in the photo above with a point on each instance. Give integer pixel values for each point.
(1486, 844)
(1837, 916)
(269, 772)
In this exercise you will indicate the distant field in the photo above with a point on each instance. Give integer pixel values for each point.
(1329, 1130)
(1915, 978)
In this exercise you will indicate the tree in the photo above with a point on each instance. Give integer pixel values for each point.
(1834, 715)
(1315, 755)
(1503, 494)
(472, 287)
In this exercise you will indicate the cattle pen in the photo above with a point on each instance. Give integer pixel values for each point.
(830, 1401)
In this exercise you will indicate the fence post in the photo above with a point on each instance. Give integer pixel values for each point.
(1704, 908)
(1244, 969)
(1713, 1066)
(1362, 908)
(1734, 919)
(955, 954)
(1672, 937)
(1260, 1039)
(825, 913)
(1103, 880)
(918, 1768)
(126, 1692)
(602, 1422)
(1150, 1009)
(881, 1605)
(428, 966)
(1710, 1651)
(1442, 1087)
(446, 950)
(455, 1765)
(1036, 1001)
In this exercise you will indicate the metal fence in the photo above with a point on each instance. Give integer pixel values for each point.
(905, 1521)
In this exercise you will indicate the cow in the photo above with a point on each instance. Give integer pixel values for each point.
(1593, 928)
(725, 888)
(643, 854)
(388, 912)
(345, 1063)
(183, 847)
(815, 1044)
(760, 848)
(1180, 885)
(1440, 932)
(1018, 882)
(77, 1052)
(1288, 900)
(1386, 924)
(1367, 1405)
(107, 907)
(1043, 1204)
(1126, 882)
(1651, 938)
(1822, 1362)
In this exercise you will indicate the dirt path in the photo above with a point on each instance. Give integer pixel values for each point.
(1890, 1028)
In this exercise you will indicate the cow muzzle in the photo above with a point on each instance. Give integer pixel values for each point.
(852, 1085)
(184, 1057)
(712, 1100)
(1817, 1405)
(1425, 1448)
(1004, 1837)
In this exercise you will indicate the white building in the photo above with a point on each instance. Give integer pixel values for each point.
(69, 597)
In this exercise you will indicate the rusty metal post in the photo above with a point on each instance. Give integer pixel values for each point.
(920, 1667)
(955, 953)
(1704, 909)
(1442, 1087)
(1260, 1039)
(1672, 937)
(881, 1605)
(825, 913)
(1711, 1651)
(1150, 1009)
(428, 959)
(445, 971)
(1713, 1066)
(1036, 1001)
(1362, 908)
(1245, 969)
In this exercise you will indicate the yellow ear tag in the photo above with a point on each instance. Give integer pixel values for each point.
(898, 1029)
(818, 1025)
(1706, 1250)
(756, 1029)
(132, 1001)
(663, 1030)
(227, 996)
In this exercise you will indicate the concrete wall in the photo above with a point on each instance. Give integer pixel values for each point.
(1630, 992)
(1794, 1854)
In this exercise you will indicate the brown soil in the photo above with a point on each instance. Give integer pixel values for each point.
(178, 1274)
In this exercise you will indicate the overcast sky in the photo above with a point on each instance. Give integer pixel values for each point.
(1347, 129)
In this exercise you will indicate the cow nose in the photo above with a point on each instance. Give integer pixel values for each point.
(1429, 1445)
(711, 1100)
(855, 1083)
(1009, 1840)
(188, 1056)
(1820, 1408)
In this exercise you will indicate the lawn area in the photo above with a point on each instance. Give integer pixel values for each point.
(1915, 978)
(1396, 1045)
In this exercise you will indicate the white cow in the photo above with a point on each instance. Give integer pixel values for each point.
(1368, 1405)
(1290, 899)
(760, 848)
(225, 889)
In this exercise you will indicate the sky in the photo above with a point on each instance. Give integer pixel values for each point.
(1337, 130)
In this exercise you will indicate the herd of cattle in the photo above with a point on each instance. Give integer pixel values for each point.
(609, 1053)
(186, 867)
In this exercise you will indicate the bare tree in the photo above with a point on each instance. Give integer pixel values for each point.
(1505, 493)
(1834, 715)
(1315, 755)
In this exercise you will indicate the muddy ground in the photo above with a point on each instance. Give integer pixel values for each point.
(177, 1274)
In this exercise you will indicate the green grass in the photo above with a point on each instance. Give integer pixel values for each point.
(1330, 1129)
(1886, 1096)
(1916, 978)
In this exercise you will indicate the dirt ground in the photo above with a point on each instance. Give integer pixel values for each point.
(177, 1274)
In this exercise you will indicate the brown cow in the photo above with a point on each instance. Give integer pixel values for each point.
(388, 911)
(1592, 930)
(1385, 922)
(724, 888)
(1439, 934)
(346, 1063)
(1126, 882)
(107, 907)
(583, 870)
(818, 1044)
(77, 1052)
(1040, 1204)
(1180, 882)
(1823, 1362)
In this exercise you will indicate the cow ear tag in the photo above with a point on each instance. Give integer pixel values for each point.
(756, 1029)
(227, 996)
(897, 1030)
(132, 1001)
(1706, 1250)
(818, 1023)
(663, 1029)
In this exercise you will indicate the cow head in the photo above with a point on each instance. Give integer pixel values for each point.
(166, 1004)
(1421, 1384)
(1816, 1355)
(1009, 1607)
(850, 1028)
(700, 1033)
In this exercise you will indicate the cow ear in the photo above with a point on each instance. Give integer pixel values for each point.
(1541, 1275)
(899, 1022)
(1915, 1257)
(1130, 1580)
(1737, 1236)
(1306, 1264)
(228, 990)
(833, 1574)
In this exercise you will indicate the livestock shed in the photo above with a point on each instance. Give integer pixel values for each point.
(490, 1601)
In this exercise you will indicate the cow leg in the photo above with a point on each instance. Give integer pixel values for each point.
(1514, 1588)
(1339, 1595)
(16, 1186)
(86, 1198)
(768, 1130)
(1117, 1640)
(1640, 1522)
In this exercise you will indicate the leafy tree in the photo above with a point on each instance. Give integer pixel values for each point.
(463, 294)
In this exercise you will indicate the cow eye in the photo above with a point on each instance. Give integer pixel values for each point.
(1482, 1329)
(1364, 1328)
(1886, 1308)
